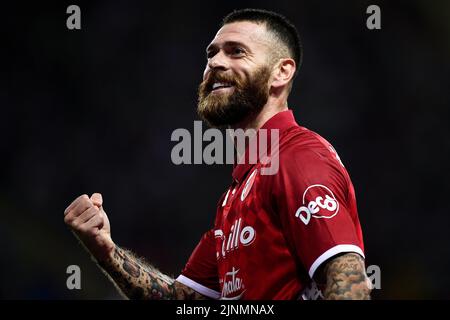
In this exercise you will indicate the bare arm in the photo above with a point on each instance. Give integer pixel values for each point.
(346, 278)
(137, 279)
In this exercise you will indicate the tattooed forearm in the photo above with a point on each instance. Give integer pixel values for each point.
(136, 279)
(346, 278)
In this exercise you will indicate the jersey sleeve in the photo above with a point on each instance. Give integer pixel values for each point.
(200, 272)
(315, 201)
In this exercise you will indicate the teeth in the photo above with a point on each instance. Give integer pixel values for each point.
(219, 84)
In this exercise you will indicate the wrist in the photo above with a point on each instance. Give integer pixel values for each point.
(105, 252)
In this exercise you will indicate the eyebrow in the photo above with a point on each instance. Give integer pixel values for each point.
(214, 46)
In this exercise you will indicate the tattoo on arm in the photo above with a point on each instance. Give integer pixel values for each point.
(346, 278)
(136, 279)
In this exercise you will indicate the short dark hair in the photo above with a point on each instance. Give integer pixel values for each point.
(281, 27)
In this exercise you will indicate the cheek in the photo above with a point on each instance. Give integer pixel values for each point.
(206, 72)
(246, 75)
(247, 69)
(238, 71)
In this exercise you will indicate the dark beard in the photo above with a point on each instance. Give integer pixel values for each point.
(247, 99)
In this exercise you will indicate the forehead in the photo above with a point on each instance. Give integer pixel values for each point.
(248, 33)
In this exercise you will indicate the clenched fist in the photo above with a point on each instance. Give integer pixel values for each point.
(87, 219)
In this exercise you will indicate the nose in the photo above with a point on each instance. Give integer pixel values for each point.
(218, 61)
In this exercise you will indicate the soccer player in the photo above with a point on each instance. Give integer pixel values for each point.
(294, 234)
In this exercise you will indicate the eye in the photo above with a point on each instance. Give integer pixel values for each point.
(237, 51)
(210, 54)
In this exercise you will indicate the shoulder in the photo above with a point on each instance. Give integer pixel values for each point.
(300, 147)
(305, 159)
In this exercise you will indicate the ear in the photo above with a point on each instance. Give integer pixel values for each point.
(283, 72)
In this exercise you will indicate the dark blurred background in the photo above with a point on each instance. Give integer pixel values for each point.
(93, 111)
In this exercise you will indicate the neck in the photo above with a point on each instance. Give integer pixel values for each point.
(257, 121)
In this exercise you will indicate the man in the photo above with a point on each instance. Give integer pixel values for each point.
(279, 236)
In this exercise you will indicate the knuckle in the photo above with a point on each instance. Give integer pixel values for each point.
(68, 219)
(83, 229)
(79, 199)
(85, 202)
(84, 198)
(75, 224)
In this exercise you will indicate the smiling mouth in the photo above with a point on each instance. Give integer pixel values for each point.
(220, 86)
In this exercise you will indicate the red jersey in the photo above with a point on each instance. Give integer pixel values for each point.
(272, 232)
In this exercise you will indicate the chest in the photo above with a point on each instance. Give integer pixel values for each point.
(245, 219)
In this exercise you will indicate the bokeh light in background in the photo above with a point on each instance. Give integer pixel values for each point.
(93, 111)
